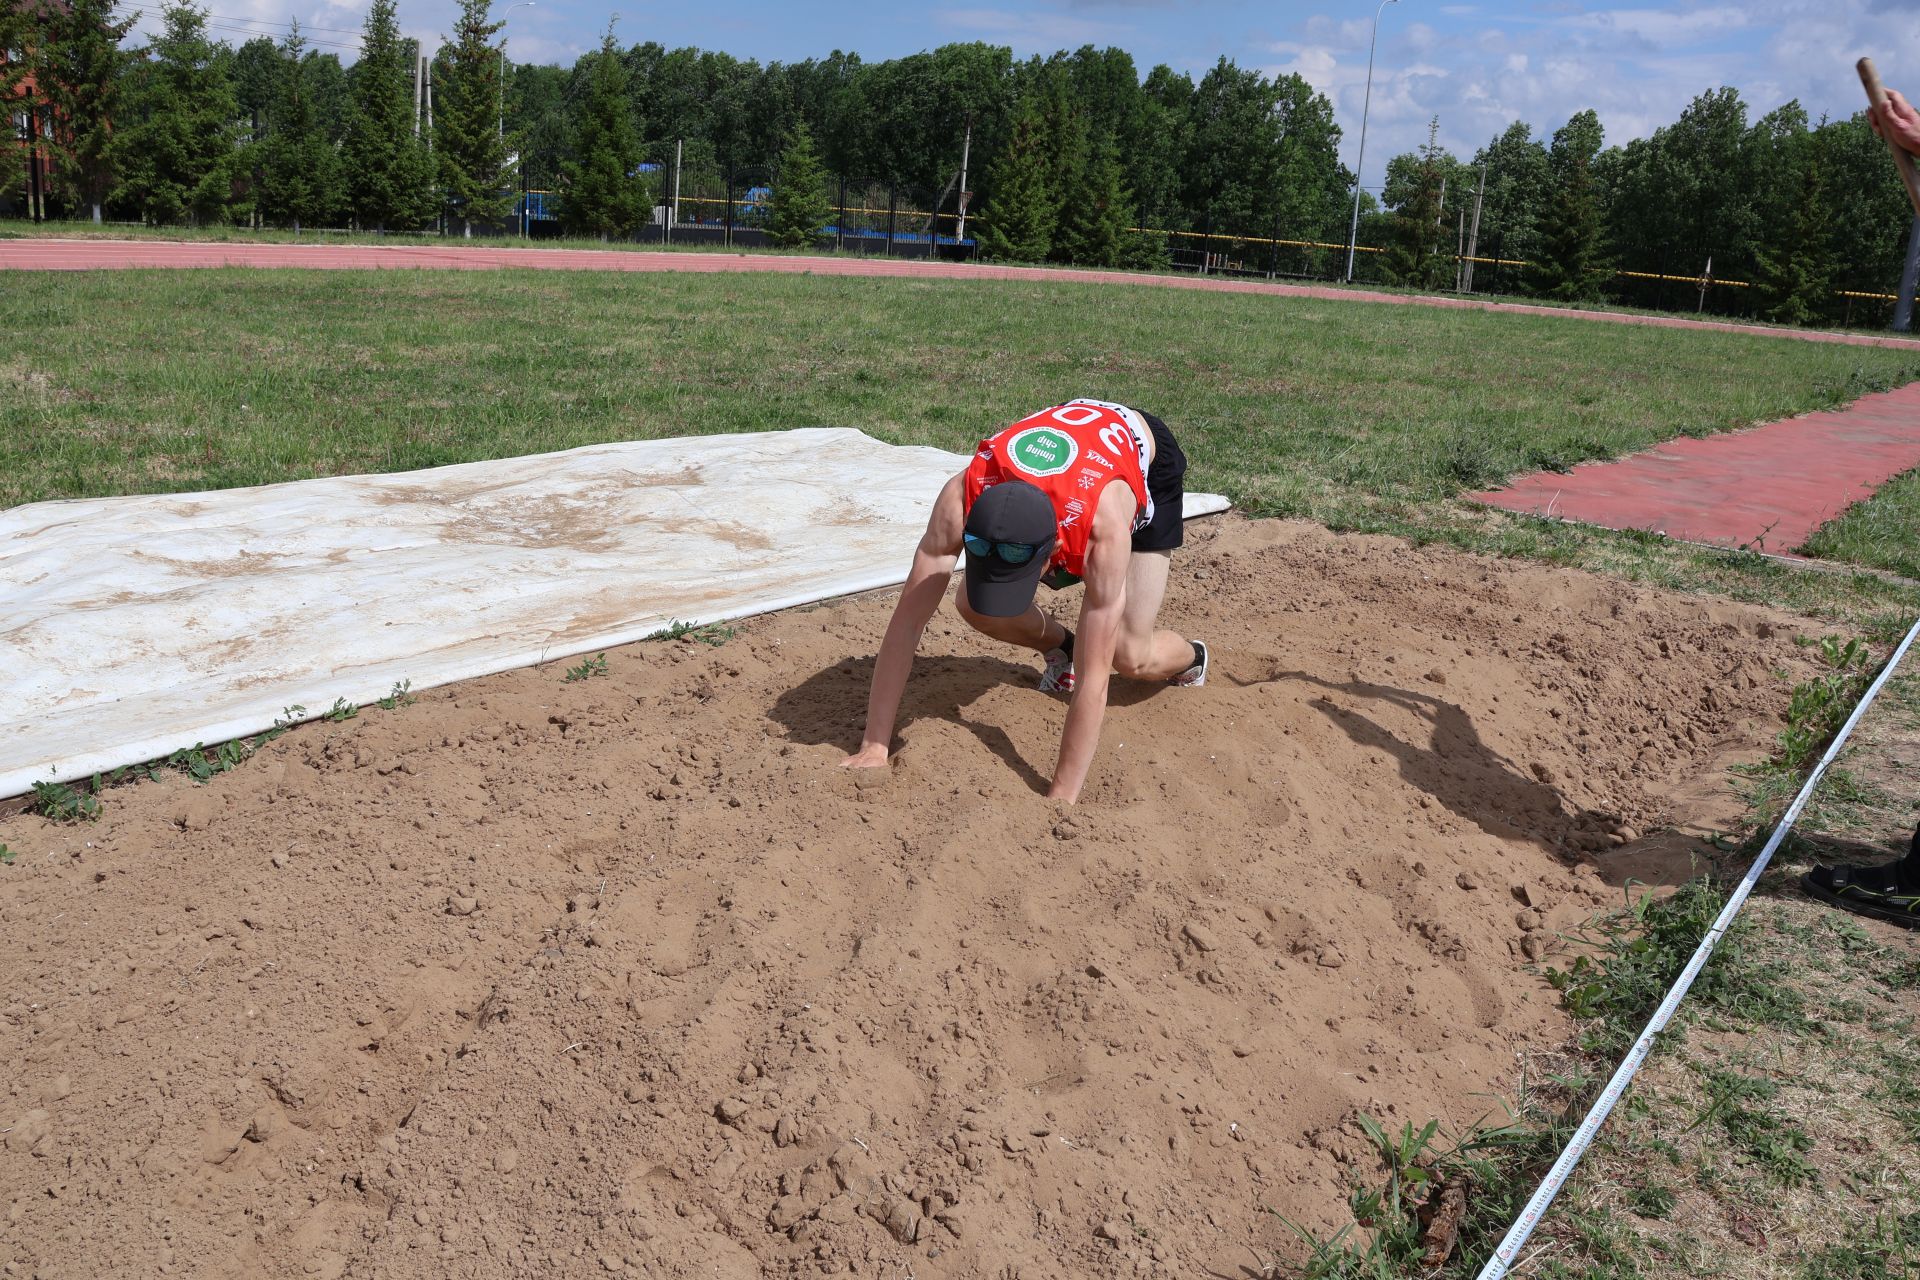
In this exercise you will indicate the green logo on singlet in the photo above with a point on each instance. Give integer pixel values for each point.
(1042, 451)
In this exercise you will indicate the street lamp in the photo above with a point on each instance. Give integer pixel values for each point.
(1353, 230)
(524, 4)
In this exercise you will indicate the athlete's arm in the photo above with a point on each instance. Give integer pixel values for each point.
(933, 562)
(1109, 547)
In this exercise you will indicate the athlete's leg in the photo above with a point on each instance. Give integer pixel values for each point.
(1143, 652)
(1035, 629)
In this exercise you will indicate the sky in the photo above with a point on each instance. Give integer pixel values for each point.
(1477, 67)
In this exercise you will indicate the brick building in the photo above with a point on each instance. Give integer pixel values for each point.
(25, 176)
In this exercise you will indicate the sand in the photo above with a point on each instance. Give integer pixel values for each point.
(623, 976)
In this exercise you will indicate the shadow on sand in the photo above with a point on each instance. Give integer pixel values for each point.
(829, 707)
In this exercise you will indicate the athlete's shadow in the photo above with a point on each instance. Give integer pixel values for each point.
(1456, 766)
(830, 706)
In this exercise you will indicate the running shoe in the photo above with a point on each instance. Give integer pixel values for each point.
(1196, 675)
(1058, 676)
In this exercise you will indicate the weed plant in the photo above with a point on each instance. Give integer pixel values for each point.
(1637, 952)
(712, 633)
(62, 803)
(1817, 709)
(58, 802)
(1820, 706)
(594, 666)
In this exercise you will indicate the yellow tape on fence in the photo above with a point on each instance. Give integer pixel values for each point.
(1695, 280)
(1304, 244)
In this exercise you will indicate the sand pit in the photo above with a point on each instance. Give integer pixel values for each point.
(622, 976)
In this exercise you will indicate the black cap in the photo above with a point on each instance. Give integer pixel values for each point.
(1011, 511)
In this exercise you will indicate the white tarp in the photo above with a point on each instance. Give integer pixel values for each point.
(132, 627)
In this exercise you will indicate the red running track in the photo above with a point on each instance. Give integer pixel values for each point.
(1768, 488)
(96, 255)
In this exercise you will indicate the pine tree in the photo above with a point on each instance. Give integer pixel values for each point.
(301, 184)
(799, 205)
(176, 155)
(1570, 266)
(469, 121)
(1796, 278)
(389, 169)
(81, 64)
(1099, 209)
(1065, 139)
(255, 67)
(604, 194)
(1414, 256)
(1020, 215)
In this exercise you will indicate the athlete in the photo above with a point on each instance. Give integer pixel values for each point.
(1086, 490)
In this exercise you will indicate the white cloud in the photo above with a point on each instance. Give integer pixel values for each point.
(1662, 28)
(1030, 30)
(1638, 67)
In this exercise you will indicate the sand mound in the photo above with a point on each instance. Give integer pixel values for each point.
(538, 978)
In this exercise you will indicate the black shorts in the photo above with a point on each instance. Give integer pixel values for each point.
(1167, 486)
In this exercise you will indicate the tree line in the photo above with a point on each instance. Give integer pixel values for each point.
(1076, 157)
(1795, 212)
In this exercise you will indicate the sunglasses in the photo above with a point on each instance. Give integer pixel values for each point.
(1006, 552)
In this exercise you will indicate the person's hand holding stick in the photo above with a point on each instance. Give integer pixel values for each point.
(1894, 119)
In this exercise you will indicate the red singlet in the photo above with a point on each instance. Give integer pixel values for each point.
(1071, 452)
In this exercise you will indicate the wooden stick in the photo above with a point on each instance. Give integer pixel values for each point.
(1877, 96)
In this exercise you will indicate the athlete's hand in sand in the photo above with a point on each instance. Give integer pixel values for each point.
(870, 756)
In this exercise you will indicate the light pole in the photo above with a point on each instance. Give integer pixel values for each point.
(1366, 105)
(524, 4)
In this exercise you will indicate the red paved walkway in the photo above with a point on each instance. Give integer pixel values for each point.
(1768, 488)
(86, 255)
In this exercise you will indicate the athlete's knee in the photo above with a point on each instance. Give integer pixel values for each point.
(1132, 657)
(978, 621)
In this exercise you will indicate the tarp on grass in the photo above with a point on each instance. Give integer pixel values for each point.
(132, 627)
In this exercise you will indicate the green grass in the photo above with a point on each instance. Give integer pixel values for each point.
(1638, 951)
(1254, 266)
(1883, 532)
(170, 380)
(1370, 418)
(17, 229)
(1886, 1247)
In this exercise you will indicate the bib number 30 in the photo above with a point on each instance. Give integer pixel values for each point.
(1114, 436)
